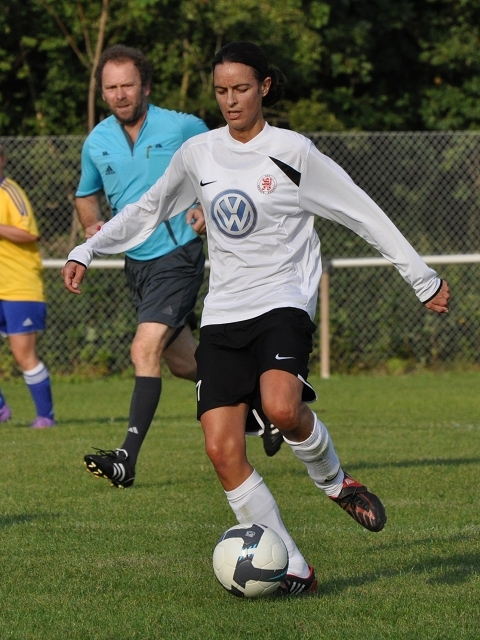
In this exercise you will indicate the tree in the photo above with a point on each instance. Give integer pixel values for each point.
(20, 71)
(193, 30)
(93, 45)
(370, 65)
(451, 99)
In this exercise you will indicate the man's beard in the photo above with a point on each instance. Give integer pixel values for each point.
(139, 111)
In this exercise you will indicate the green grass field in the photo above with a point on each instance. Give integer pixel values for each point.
(80, 560)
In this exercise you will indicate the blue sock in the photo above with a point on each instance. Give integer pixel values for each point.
(2, 399)
(38, 383)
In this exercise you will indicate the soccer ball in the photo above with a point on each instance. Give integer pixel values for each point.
(250, 560)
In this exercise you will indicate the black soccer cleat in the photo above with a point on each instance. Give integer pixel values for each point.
(272, 439)
(295, 586)
(363, 505)
(112, 465)
(257, 423)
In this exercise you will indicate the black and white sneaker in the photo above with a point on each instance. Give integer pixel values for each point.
(258, 424)
(272, 439)
(112, 465)
(295, 586)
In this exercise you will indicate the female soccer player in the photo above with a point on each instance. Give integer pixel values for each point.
(260, 188)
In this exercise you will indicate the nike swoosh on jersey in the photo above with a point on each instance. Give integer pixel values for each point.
(279, 357)
(204, 184)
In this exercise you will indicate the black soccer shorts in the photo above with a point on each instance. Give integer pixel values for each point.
(232, 357)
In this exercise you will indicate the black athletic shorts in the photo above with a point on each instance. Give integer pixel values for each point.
(232, 357)
(165, 289)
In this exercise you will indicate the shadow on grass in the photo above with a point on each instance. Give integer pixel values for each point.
(75, 422)
(443, 571)
(405, 464)
(117, 420)
(25, 518)
(353, 467)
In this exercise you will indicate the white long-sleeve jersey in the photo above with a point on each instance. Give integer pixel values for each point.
(260, 199)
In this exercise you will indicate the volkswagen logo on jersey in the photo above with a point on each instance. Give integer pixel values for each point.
(234, 214)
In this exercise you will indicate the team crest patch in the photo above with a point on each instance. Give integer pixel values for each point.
(267, 184)
(234, 213)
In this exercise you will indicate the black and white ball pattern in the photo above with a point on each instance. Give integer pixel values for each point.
(250, 560)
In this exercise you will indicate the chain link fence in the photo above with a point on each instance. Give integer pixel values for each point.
(428, 184)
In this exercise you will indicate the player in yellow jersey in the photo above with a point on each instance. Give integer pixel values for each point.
(22, 301)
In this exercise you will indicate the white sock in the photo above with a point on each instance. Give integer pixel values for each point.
(253, 502)
(318, 454)
(36, 375)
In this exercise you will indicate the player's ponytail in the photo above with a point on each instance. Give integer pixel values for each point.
(251, 55)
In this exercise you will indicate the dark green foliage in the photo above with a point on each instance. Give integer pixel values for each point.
(90, 334)
(376, 319)
(376, 65)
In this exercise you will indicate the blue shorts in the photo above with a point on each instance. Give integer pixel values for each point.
(21, 317)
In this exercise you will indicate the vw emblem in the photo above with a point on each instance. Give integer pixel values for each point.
(234, 214)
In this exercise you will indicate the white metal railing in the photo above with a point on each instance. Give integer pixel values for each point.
(461, 258)
(335, 263)
(54, 263)
(324, 298)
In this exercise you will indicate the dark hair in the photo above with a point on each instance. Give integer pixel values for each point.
(251, 55)
(122, 53)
